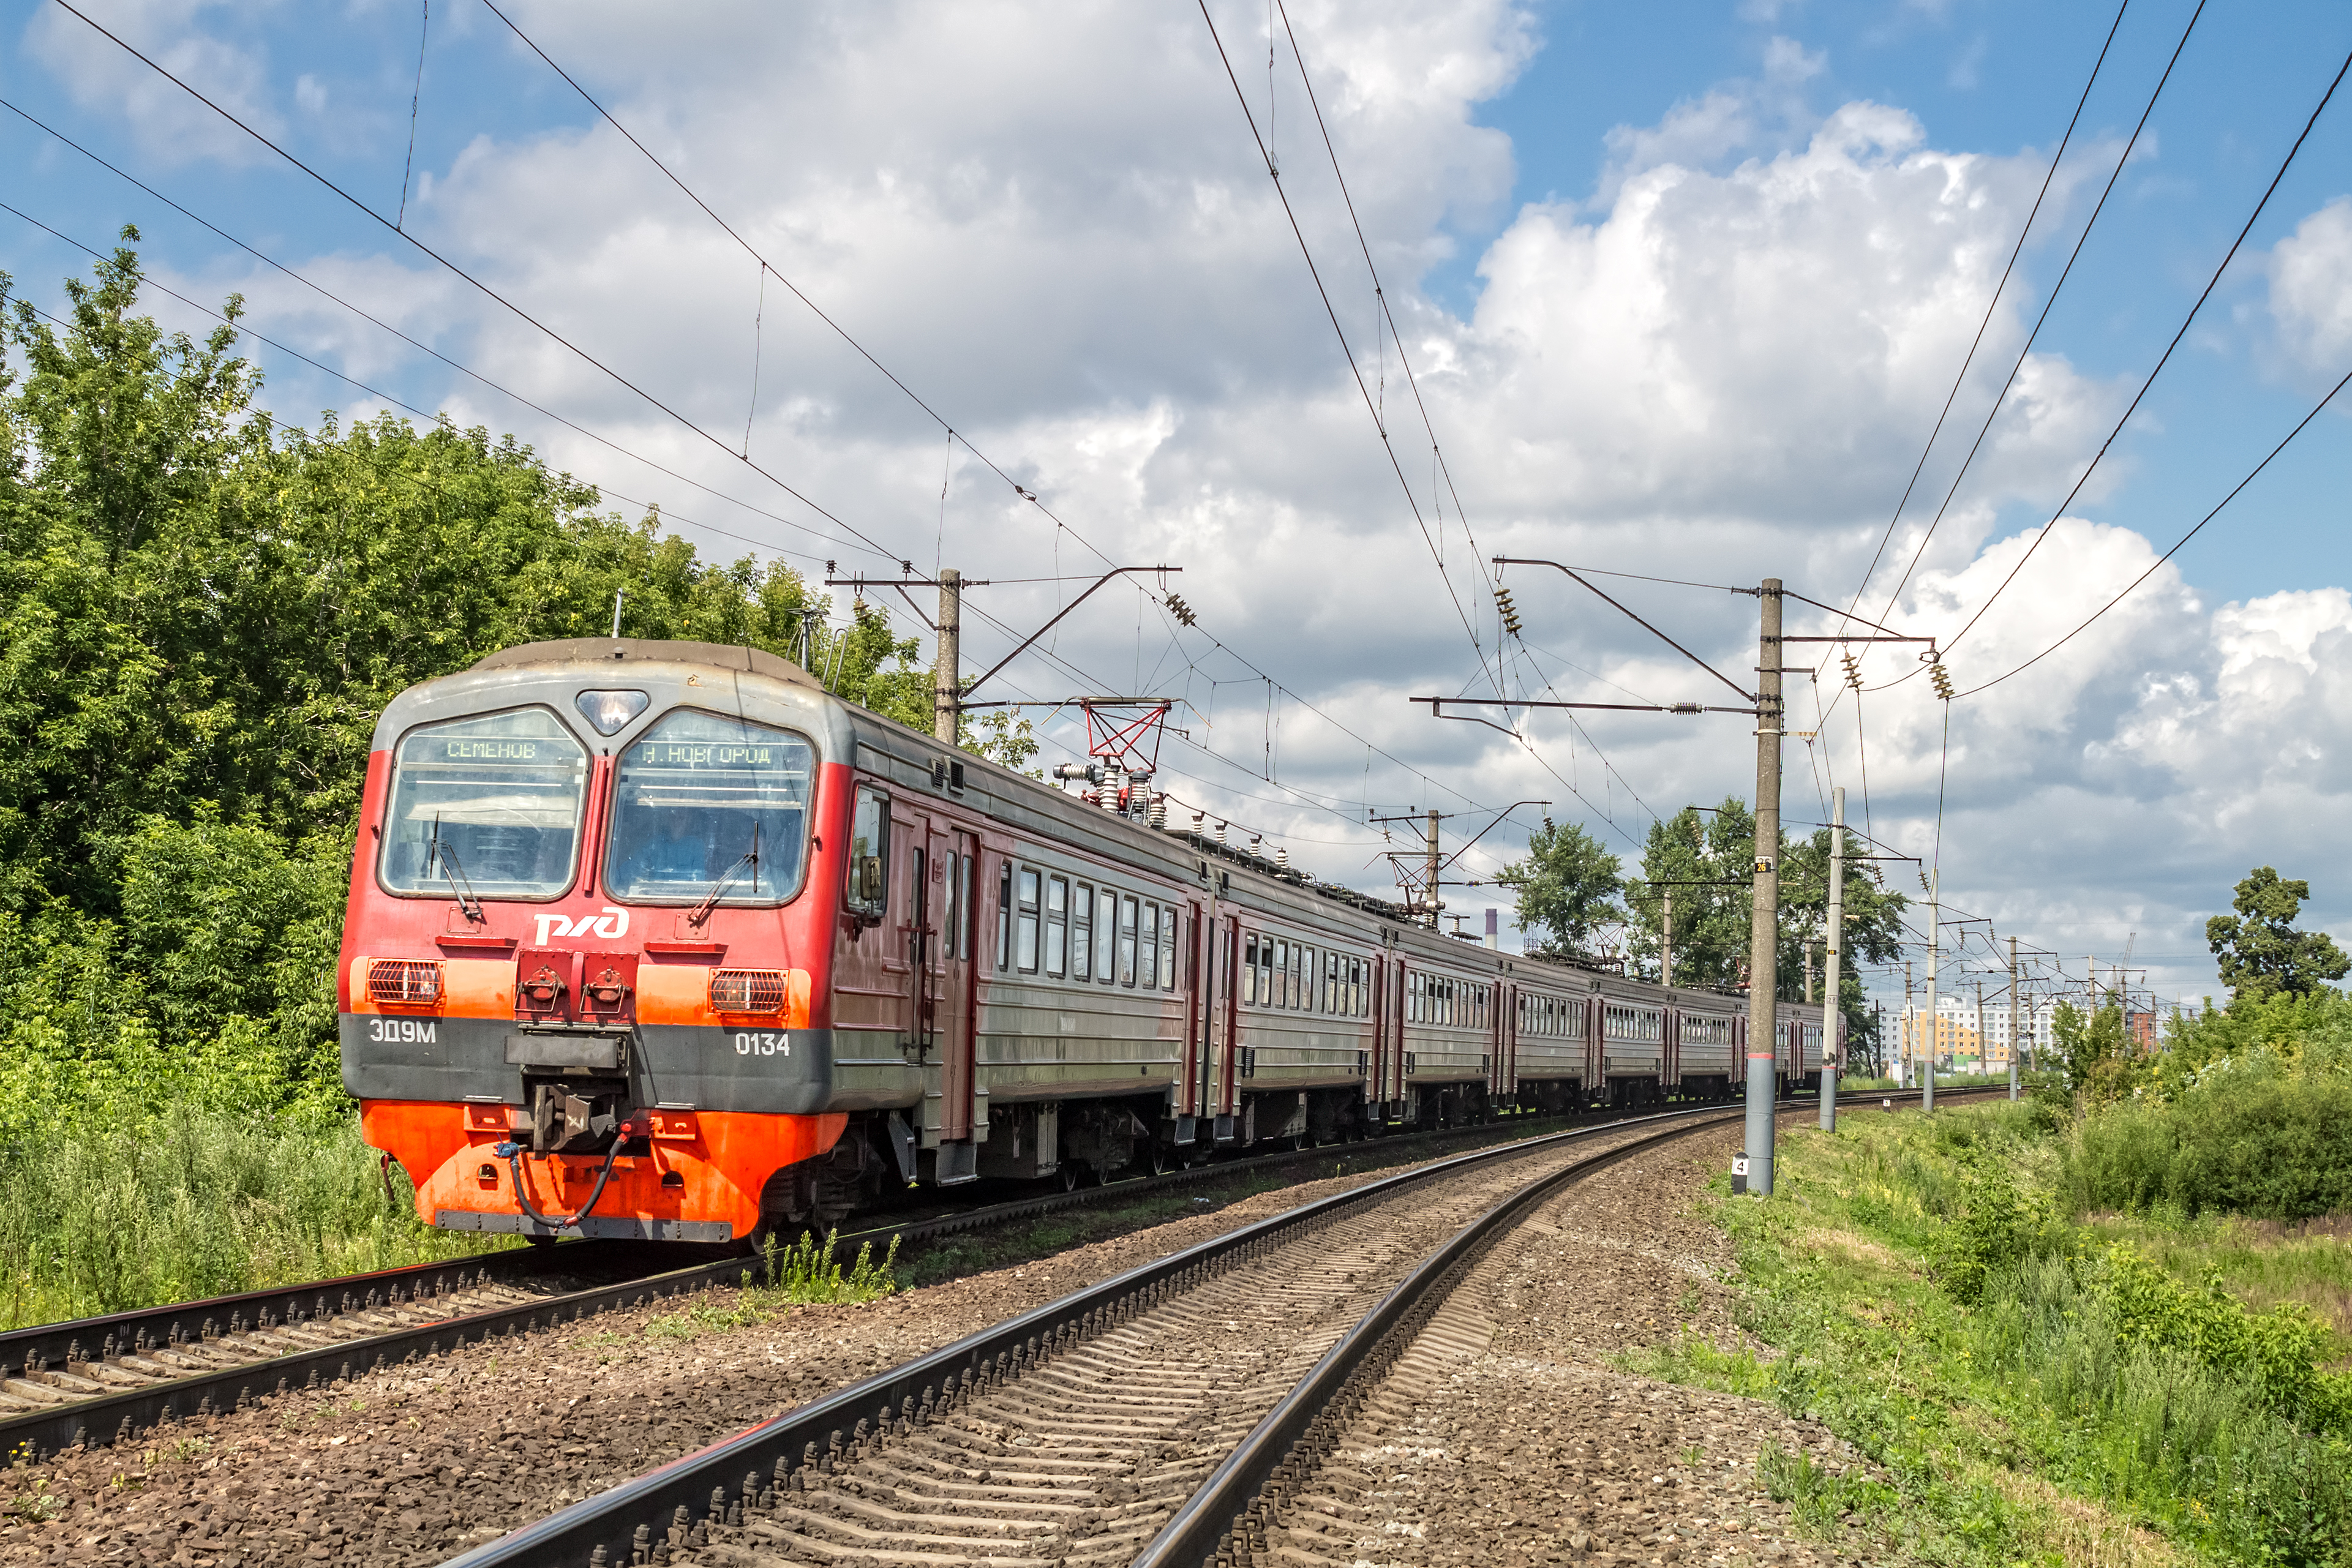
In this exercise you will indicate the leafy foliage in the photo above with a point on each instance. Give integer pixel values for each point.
(1707, 861)
(201, 614)
(1567, 888)
(2261, 951)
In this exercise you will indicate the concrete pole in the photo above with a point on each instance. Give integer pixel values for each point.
(947, 679)
(1436, 902)
(2016, 1038)
(1808, 973)
(1908, 1029)
(1833, 996)
(1666, 948)
(1764, 938)
(1935, 951)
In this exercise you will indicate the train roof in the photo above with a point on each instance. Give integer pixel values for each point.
(914, 760)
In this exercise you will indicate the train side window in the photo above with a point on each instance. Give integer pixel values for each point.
(1127, 908)
(1082, 932)
(1355, 985)
(951, 921)
(1057, 923)
(1147, 940)
(1249, 966)
(1307, 979)
(1024, 923)
(1281, 973)
(867, 889)
(1106, 934)
(1265, 970)
(1168, 950)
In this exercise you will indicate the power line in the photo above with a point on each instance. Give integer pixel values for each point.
(461, 368)
(2316, 409)
(2211, 284)
(1354, 368)
(960, 437)
(483, 289)
(1993, 304)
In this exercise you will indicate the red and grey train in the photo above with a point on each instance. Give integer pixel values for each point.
(660, 939)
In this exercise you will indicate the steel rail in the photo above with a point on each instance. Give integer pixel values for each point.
(1203, 1531)
(1227, 1502)
(120, 1414)
(749, 1469)
(35, 1347)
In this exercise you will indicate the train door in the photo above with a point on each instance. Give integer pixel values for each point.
(1670, 1046)
(1200, 1010)
(1498, 1070)
(1596, 1059)
(951, 881)
(1223, 1097)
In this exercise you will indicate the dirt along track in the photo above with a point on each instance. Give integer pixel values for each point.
(414, 1464)
(1507, 1433)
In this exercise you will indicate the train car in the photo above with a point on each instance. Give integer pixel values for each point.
(663, 940)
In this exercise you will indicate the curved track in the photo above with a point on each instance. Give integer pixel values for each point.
(1140, 1419)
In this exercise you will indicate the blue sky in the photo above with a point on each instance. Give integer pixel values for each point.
(1665, 269)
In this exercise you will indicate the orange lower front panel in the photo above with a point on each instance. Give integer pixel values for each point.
(717, 1162)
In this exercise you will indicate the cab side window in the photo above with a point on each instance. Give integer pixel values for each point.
(867, 889)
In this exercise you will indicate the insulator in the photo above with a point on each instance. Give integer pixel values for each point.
(1941, 679)
(1221, 834)
(1853, 670)
(1158, 817)
(1282, 856)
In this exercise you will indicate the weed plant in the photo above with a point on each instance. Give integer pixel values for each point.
(118, 1213)
(804, 1272)
(1928, 1300)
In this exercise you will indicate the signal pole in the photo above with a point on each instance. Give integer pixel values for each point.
(1764, 942)
(2016, 1040)
(1666, 948)
(947, 678)
(1832, 1013)
(1935, 948)
(1436, 864)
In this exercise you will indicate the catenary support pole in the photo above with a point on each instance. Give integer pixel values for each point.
(2016, 1036)
(1934, 949)
(947, 680)
(1667, 946)
(1435, 865)
(1832, 998)
(1764, 944)
(1908, 1027)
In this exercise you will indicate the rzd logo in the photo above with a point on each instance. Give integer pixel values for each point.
(611, 924)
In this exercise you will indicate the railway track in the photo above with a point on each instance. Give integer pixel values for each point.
(101, 1379)
(1141, 1419)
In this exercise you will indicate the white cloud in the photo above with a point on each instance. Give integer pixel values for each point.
(1052, 223)
(171, 127)
(2311, 287)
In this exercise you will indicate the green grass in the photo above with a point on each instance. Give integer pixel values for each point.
(106, 1217)
(2011, 1374)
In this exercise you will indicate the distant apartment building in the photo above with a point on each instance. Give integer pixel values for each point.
(1966, 1042)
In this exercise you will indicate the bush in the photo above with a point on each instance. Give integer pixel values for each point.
(2251, 1134)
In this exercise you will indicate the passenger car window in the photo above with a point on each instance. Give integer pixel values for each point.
(1024, 924)
(708, 806)
(1147, 940)
(1127, 917)
(1168, 950)
(490, 805)
(1058, 923)
(1082, 932)
(1106, 934)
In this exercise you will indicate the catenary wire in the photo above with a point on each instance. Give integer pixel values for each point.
(483, 289)
(2211, 284)
(2251, 475)
(1993, 304)
(960, 437)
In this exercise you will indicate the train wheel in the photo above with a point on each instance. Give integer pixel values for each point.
(1068, 1171)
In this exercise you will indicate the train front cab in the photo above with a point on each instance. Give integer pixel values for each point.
(591, 914)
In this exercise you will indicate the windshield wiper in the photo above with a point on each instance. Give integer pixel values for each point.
(441, 854)
(750, 857)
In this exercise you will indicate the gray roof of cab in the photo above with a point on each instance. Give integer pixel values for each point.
(718, 656)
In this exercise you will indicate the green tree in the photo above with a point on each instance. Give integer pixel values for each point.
(2093, 1051)
(1707, 861)
(2261, 951)
(1566, 887)
(201, 612)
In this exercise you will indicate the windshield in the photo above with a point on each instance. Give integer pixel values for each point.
(697, 798)
(486, 807)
